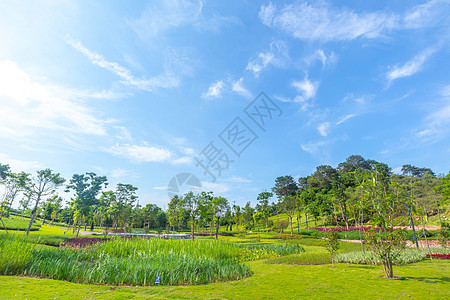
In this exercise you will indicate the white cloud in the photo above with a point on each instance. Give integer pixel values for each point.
(306, 87)
(141, 154)
(437, 123)
(216, 188)
(411, 67)
(215, 90)
(160, 17)
(277, 56)
(427, 14)
(184, 160)
(161, 188)
(236, 179)
(18, 165)
(345, 119)
(324, 58)
(314, 147)
(307, 90)
(324, 128)
(239, 88)
(145, 154)
(169, 79)
(28, 106)
(120, 173)
(319, 20)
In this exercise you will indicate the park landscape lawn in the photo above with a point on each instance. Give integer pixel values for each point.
(426, 280)
(305, 275)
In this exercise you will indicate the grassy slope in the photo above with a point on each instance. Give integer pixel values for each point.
(428, 280)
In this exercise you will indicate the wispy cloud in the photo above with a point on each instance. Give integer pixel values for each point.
(277, 56)
(437, 123)
(345, 119)
(306, 87)
(239, 88)
(321, 21)
(236, 179)
(411, 67)
(120, 173)
(168, 79)
(324, 128)
(160, 17)
(327, 59)
(28, 106)
(18, 165)
(428, 14)
(307, 90)
(141, 154)
(145, 154)
(215, 90)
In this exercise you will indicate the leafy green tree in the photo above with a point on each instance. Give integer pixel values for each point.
(247, 215)
(284, 186)
(258, 217)
(289, 206)
(219, 208)
(14, 184)
(444, 234)
(263, 199)
(86, 188)
(161, 219)
(332, 244)
(4, 171)
(237, 215)
(416, 171)
(126, 196)
(41, 186)
(174, 212)
(193, 205)
(51, 207)
(388, 242)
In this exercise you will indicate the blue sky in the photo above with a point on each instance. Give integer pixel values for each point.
(139, 91)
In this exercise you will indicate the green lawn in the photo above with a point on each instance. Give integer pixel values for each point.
(427, 280)
(271, 279)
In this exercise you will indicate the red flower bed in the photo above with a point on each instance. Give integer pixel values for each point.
(439, 256)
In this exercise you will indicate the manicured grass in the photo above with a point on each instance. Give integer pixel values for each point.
(47, 235)
(18, 224)
(427, 280)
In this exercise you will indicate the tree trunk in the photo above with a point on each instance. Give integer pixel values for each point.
(306, 218)
(79, 226)
(33, 214)
(292, 230)
(193, 221)
(217, 228)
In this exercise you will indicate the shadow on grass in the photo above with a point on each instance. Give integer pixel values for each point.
(432, 279)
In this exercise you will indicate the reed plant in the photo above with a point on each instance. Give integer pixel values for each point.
(130, 262)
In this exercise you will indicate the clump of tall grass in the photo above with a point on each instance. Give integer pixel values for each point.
(139, 262)
(408, 256)
(15, 253)
(255, 252)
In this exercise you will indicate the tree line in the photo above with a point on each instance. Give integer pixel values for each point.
(91, 203)
(348, 195)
